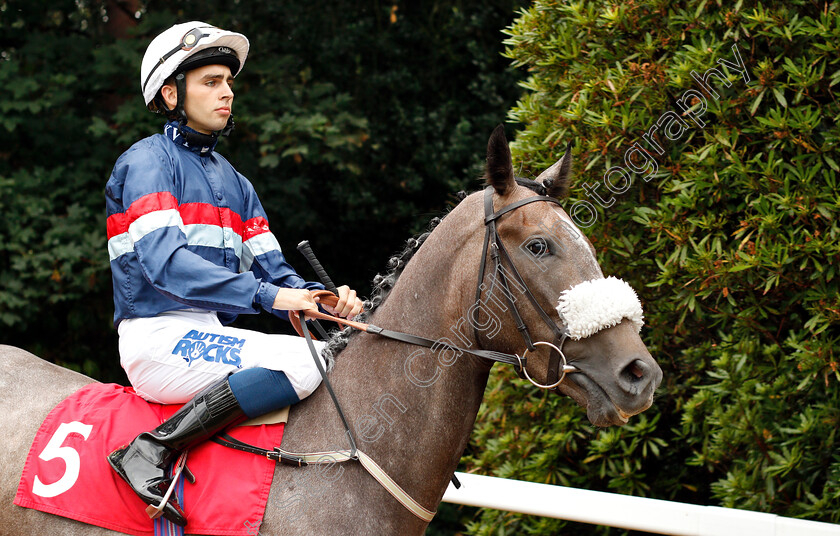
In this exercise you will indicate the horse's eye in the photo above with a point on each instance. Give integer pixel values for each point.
(538, 248)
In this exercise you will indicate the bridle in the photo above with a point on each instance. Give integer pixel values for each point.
(499, 255)
(492, 243)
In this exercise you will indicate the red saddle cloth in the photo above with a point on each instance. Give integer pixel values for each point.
(66, 472)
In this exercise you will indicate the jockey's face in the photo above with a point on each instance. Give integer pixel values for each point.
(209, 99)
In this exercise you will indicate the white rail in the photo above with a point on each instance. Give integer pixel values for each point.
(635, 513)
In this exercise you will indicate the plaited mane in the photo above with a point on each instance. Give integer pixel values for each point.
(382, 285)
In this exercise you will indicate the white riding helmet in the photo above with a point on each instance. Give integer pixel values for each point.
(172, 48)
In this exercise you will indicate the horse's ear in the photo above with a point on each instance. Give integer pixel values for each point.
(499, 173)
(556, 179)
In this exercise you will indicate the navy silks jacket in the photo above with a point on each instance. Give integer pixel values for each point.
(186, 230)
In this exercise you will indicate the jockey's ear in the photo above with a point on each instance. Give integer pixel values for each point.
(499, 171)
(557, 178)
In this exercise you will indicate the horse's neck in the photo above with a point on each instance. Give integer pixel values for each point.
(410, 409)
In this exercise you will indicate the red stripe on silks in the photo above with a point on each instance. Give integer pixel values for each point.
(119, 223)
(233, 220)
(199, 213)
(207, 214)
(151, 203)
(255, 226)
(191, 214)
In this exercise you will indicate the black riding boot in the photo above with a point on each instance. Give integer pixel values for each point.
(144, 462)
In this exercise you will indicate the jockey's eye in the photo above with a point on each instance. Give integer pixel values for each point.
(538, 247)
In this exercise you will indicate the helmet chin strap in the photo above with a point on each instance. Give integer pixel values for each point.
(196, 139)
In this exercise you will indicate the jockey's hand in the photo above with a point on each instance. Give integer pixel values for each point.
(348, 306)
(295, 299)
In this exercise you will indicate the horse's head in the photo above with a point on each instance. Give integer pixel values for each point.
(610, 371)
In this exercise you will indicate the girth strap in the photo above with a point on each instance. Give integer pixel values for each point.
(336, 456)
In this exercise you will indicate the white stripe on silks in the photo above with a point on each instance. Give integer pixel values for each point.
(262, 243)
(148, 223)
(197, 234)
(119, 245)
(213, 236)
(597, 304)
(246, 260)
(255, 246)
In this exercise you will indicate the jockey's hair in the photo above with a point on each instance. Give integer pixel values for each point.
(382, 285)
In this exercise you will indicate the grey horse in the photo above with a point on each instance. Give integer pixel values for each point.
(412, 409)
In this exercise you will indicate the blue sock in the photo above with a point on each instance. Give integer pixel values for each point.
(260, 390)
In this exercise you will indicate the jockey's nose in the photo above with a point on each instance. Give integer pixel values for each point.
(227, 90)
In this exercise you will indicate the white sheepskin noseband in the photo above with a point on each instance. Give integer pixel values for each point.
(597, 304)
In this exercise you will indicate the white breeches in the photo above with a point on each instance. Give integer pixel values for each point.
(171, 357)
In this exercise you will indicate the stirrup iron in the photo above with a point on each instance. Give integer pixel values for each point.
(155, 512)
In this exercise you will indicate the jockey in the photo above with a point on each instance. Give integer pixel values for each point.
(191, 249)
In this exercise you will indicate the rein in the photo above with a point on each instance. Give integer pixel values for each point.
(328, 298)
(498, 255)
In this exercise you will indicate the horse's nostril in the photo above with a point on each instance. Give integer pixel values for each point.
(635, 384)
(635, 371)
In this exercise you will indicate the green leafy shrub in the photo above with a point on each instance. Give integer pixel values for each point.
(733, 245)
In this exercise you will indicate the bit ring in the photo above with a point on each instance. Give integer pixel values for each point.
(564, 369)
